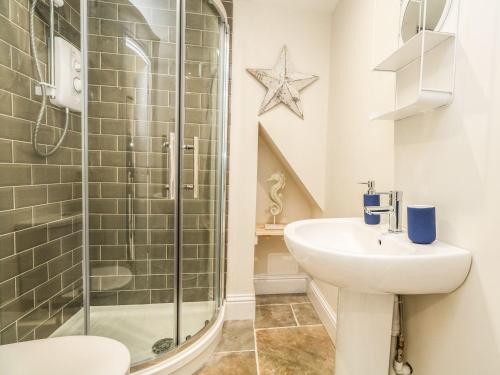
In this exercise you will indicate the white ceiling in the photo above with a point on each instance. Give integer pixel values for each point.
(313, 5)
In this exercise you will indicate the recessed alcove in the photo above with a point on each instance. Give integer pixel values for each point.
(272, 258)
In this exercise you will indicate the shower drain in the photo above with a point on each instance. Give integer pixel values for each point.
(163, 345)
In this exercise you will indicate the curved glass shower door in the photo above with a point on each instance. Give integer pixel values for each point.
(156, 168)
(132, 106)
(203, 165)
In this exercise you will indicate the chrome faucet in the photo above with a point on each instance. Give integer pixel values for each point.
(394, 210)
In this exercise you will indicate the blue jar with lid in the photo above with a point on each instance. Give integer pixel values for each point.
(421, 224)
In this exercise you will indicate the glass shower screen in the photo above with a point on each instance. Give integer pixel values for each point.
(156, 168)
(120, 231)
(202, 162)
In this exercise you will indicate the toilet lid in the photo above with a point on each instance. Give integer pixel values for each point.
(75, 355)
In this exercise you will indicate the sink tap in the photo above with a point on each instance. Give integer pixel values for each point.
(394, 210)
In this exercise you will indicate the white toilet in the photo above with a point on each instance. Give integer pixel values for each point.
(75, 355)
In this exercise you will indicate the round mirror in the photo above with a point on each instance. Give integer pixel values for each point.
(413, 14)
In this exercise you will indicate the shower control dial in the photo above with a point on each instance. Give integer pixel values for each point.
(77, 66)
(77, 85)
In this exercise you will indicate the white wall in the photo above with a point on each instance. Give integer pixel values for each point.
(451, 158)
(261, 28)
(265, 27)
(357, 149)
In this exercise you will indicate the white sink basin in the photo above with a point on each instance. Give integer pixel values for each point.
(352, 255)
(369, 266)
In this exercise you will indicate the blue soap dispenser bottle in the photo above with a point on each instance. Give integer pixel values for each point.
(370, 198)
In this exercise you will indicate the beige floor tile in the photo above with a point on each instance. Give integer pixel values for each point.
(269, 316)
(295, 351)
(242, 363)
(237, 335)
(305, 314)
(277, 299)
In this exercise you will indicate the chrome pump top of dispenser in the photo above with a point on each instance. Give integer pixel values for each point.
(371, 186)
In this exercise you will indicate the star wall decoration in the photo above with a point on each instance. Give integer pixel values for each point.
(283, 85)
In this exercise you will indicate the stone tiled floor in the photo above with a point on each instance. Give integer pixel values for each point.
(286, 338)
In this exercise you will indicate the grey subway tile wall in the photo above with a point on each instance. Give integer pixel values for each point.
(40, 198)
(132, 71)
(132, 102)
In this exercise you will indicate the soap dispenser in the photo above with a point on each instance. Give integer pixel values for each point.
(371, 199)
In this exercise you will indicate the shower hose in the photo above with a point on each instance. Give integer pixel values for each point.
(43, 89)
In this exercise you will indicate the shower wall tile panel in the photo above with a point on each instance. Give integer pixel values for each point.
(40, 198)
(132, 111)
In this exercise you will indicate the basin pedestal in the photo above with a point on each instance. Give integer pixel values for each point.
(370, 266)
(364, 327)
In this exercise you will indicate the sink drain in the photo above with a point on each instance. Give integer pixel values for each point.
(163, 345)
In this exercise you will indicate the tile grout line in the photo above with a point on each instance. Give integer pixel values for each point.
(283, 304)
(294, 316)
(236, 351)
(289, 327)
(256, 349)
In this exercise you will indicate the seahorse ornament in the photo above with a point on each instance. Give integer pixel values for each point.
(275, 193)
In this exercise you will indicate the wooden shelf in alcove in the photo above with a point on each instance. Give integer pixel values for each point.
(260, 230)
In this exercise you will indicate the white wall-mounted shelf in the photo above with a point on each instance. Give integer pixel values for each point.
(412, 50)
(426, 101)
(422, 49)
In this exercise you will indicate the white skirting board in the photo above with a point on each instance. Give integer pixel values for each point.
(280, 284)
(325, 312)
(240, 306)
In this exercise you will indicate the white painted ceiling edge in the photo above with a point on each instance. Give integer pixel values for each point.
(313, 5)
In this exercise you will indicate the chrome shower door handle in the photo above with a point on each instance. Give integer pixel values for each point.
(196, 167)
(170, 187)
(173, 167)
(195, 186)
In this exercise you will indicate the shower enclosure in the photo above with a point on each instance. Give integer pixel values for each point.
(121, 231)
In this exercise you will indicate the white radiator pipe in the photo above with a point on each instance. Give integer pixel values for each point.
(394, 335)
(396, 367)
